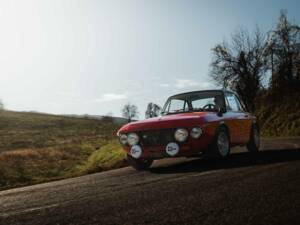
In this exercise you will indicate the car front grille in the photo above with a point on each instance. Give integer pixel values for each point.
(157, 137)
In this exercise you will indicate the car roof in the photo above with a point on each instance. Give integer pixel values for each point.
(194, 92)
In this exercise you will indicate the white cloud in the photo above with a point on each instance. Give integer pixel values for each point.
(66, 94)
(164, 85)
(207, 85)
(110, 97)
(183, 83)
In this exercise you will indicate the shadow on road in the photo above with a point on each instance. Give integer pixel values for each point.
(234, 161)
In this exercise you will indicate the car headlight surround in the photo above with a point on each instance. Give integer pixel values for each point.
(133, 139)
(181, 134)
(123, 139)
(196, 132)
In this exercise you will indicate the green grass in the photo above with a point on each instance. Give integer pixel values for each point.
(37, 147)
(108, 157)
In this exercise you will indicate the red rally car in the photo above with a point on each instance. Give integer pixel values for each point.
(205, 123)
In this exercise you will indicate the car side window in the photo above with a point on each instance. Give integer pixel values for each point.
(200, 103)
(241, 107)
(177, 105)
(232, 103)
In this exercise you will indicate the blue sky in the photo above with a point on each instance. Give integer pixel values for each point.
(92, 57)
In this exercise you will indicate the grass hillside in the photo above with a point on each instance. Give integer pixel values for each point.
(279, 114)
(39, 147)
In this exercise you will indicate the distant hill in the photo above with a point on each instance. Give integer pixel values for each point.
(31, 129)
(118, 120)
(36, 147)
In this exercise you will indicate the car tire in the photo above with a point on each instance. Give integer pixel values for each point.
(254, 141)
(220, 147)
(139, 164)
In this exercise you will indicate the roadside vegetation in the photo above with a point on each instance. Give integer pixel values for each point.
(279, 115)
(264, 70)
(110, 156)
(37, 147)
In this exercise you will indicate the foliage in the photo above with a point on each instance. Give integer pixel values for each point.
(283, 53)
(248, 59)
(278, 107)
(240, 63)
(109, 156)
(279, 115)
(130, 112)
(153, 110)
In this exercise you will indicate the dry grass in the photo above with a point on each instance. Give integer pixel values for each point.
(280, 116)
(36, 148)
(34, 165)
(108, 157)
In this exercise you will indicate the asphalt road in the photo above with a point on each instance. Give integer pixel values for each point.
(242, 190)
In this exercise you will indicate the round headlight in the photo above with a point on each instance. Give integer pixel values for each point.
(181, 135)
(196, 132)
(123, 139)
(136, 151)
(133, 139)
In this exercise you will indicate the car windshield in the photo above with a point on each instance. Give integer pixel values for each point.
(194, 101)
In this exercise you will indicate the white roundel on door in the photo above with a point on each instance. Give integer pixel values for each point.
(172, 149)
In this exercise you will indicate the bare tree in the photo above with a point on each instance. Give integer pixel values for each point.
(240, 64)
(130, 112)
(153, 110)
(283, 51)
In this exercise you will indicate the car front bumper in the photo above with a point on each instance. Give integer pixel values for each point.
(191, 147)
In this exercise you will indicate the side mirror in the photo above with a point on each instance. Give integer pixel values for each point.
(221, 111)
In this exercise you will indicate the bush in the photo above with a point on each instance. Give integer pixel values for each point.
(109, 156)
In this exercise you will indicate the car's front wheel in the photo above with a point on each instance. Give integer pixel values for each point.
(220, 146)
(139, 164)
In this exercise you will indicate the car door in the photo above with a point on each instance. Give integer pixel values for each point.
(235, 119)
(245, 120)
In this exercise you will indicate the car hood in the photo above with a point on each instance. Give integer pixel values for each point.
(167, 122)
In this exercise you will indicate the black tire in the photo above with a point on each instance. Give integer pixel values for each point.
(214, 150)
(254, 141)
(139, 164)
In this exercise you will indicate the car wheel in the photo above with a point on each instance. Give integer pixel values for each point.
(139, 164)
(220, 146)
(254, 142)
